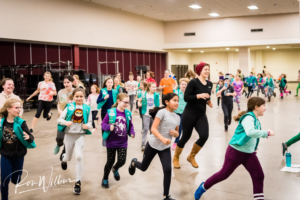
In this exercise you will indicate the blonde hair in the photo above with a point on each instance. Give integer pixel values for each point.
(51, 79)
(8, 104)
(120, 97)
(71, 97)
(184, 79)
(149, 85)
(190, 74)
(77, 77)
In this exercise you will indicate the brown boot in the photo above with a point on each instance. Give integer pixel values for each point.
(176, 157)
(191, 157)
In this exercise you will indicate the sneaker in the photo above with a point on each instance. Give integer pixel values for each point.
(290, 92)
(143, 148)
(137, 111)
(168, 198)
(31, 131)
(281, 97)
(132, 168)
(93, 130)
(62, 153)
(226, 131)
(274, 93)
(105, 184)
(56, 149)
(284, 148)
(239, 109)
(174, 146)
(296, 95)
(77, 187)
(116, 174)
(199, 191)
(49, 117)
(64, 165)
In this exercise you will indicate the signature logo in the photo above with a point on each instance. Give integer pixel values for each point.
(42, 184)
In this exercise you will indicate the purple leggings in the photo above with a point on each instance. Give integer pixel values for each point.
(235, 158)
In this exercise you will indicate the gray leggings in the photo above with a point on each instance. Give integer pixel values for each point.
(148, 121)
(131, 101)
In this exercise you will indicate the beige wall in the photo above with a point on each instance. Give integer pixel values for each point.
(277, 62)
(232, 31)
(78, 22)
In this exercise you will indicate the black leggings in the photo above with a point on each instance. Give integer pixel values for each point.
(191, 119)
(94, 117)
(165, 159)
(250, 91)
(219, 100)
(111, 156)
(43, 105)
(227, 110)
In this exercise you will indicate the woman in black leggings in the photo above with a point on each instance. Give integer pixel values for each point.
(197, 96)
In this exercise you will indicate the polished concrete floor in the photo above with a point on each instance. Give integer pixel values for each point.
(41, 164)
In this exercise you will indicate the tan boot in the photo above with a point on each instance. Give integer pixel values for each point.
(176, 157)
(191, 157)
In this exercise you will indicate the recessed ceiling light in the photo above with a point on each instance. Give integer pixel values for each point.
(274, 48)
(253, 7)
(189, 50)
(268, 47)
(227, 48)
(195, 6)
(237, 50)
(214, 14)
(202, 51)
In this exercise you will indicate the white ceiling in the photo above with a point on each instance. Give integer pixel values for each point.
(171, 10)
(253, 48)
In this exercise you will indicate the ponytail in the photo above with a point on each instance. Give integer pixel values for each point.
(251, 104)
(155, 110)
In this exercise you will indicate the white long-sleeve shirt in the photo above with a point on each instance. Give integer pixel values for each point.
(75, 127)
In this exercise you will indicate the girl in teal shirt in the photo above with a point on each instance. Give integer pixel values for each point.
(242, 149)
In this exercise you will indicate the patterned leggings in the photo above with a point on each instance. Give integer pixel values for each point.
(237, 99)
(111, 156)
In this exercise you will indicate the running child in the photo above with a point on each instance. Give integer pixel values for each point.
(117, 125)
(142, 89)
(165, 126)
(62, 101)
(242, 150)
(260, 84)
(148, 101)
(251, 80)
(227, 93)
(75, 121)
(16, 138)
(283, 86)
(131, 87)
(106, 98)
(238, 87)
(92, 101)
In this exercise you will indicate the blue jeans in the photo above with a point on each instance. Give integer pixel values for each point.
(11, 168)
(180, 128)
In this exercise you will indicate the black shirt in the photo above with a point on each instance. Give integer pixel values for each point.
(11, 145)
(190, 95)
(227, 99)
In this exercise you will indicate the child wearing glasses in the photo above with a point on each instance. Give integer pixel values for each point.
(15, 140)
(117, 126)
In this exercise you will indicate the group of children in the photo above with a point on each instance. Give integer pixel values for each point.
(78, 116)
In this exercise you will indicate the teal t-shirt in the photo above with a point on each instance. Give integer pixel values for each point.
(182, 103)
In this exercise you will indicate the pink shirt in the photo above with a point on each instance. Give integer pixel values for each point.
(45, 89)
